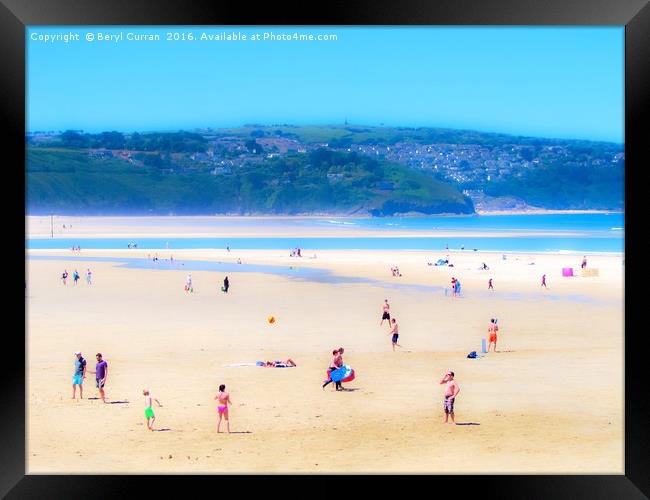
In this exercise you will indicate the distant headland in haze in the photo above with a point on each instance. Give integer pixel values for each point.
(320, 169)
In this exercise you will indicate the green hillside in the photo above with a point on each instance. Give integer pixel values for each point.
(66, 180)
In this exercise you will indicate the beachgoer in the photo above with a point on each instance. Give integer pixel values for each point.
(188, 283)
(148, 408)
(335, 363)
(339, 364)
(451, 391)
(280, 364)
(492, 331)
(226, 285)
(75, 276)
(584, 262)
(64, 277)
(457, 288)
(332, 366)
(453, 286)
(101, 374)
(79, 375)
(222, 408)
(490, 287)
(89, 276)
(385, 313)
(544, 281)
(395, 332)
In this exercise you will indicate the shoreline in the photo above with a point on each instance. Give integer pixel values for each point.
(541, 211)
(532, 211)
(330, 233)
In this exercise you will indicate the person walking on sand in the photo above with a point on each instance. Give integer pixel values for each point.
(451, 391)
(543, 281)
(226, 285)
(75, 277)
(64, 277)
(453, 287)
(584, 262)
(101, 374)
(222, 408)
(386, 313)
(89, 276)
(335, 364)
(188, 283)
(148, 408)
(339, 363)
(395, 332)
(332, 366)
(79, 375)
(490, 287)
(493, 328)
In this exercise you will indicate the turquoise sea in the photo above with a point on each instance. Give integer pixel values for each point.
(573, 233)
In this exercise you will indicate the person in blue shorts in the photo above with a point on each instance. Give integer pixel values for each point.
(79, 375)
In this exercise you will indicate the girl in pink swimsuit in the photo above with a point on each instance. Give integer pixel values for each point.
(222, 408)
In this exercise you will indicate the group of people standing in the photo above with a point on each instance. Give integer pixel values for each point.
(101, 375)
(392, 323)
(76, 276)
(189, 285)
(455, 287)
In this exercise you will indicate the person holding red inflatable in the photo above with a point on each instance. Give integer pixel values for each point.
(335, 364)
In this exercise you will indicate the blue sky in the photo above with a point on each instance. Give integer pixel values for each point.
(565, 82)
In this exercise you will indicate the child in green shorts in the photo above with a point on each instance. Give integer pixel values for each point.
(148, 408)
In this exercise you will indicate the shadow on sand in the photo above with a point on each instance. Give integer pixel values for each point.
(117, 402)
(467, 423)
(161, 430)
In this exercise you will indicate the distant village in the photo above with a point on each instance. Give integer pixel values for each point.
(470, 166)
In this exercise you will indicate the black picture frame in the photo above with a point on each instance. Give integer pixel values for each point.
(15, 15)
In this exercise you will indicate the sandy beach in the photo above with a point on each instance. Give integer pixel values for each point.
(551, 401)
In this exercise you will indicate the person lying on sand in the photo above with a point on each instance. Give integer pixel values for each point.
(288, 363)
